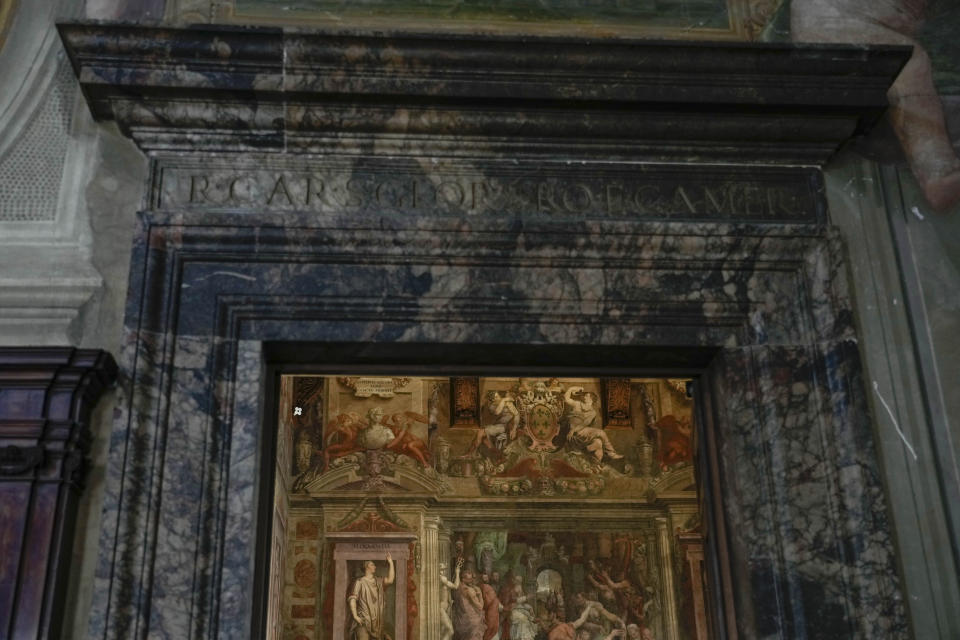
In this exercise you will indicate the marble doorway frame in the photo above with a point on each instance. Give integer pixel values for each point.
(211, 293)
(761, 278)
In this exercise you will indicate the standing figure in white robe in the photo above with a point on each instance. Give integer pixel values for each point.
(367, 602)
(523, 620)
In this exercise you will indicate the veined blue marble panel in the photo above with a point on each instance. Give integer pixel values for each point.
(798, 457)
(805, 512)
(240, 484)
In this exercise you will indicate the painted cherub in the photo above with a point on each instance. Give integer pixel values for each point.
(502, 407)
(344, 429)
(405, 443)
(581, 416)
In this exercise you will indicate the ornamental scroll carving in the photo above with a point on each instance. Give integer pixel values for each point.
(16, 460)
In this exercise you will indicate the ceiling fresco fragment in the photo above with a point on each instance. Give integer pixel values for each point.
(697, 19)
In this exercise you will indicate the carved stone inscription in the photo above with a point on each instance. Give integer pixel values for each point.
(570, 193)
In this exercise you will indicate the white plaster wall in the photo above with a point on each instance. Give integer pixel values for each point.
(45, 272)
(69, 191)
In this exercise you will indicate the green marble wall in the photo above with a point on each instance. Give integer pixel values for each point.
(905, 269)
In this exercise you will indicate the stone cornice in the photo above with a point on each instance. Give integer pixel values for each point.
(214, 88)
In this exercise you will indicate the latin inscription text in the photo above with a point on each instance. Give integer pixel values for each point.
(652, 197)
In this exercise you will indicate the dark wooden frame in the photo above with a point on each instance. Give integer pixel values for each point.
(479, 360)
(46, 397)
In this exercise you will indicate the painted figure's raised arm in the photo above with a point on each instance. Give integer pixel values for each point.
(456, 576)
(576, 624)
(391, 573)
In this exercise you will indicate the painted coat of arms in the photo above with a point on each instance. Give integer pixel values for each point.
(540, 410)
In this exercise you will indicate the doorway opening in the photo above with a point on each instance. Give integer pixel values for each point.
(418, 505)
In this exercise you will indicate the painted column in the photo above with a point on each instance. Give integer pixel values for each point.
(444, 545)
(695, 562)
(430, 580)
(669, 593)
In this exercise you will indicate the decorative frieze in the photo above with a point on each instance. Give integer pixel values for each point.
(539, 190)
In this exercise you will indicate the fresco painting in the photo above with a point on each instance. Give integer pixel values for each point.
(489, 508)
(533, 582)
(664, 14)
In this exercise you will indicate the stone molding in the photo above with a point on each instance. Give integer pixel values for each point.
(210, 291)
(42, 291)
(46, 396)
(209, 88)
(215, 287)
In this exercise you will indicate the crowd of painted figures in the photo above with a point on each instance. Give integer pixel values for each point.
(549, 594)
